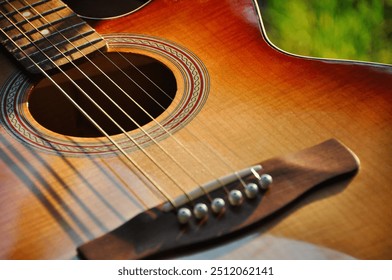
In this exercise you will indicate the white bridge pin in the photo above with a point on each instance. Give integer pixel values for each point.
(184, 215)
(265, 181)
(235, 197)
(200, 210)
(217, 205)
(251, 190)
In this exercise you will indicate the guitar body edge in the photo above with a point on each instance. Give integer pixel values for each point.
(262, 103)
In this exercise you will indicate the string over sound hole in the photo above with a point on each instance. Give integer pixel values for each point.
(141, 88)
(22, 105)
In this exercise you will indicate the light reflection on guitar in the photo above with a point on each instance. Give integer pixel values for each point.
(261, 103)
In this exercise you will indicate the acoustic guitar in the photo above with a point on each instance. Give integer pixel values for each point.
(180, 127)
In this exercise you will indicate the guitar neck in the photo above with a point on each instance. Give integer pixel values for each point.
(45, 34)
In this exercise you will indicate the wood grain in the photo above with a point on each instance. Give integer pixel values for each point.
(262, 104)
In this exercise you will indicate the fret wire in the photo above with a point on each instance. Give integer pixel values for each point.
(49, 48)
(50, 24)
(57, 56)
(74, 38)
(5, 1)
(25, 20)
(24, 8)
(48, 8)
(31, 3)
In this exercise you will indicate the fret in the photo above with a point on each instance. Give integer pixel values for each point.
(14, 10)
(48, 28)
(53, 27)
(66, 37)
(31, 2)
(27, 21)
(2, 2)
(65, 42)
(44, 61)
(23, 8)
(20, 3)
(85, 45)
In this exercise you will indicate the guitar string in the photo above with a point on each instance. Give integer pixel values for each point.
(175, 159)
(190, 199)
(205, 168)
(235, 172)
(98, 127)
(83, 112)
(222, 160)
(137, 166)
(124, 92)
(218, 155)
(164, 170)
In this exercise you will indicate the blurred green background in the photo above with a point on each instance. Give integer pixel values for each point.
(348, 29)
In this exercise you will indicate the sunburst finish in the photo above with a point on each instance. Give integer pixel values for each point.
(262, 103)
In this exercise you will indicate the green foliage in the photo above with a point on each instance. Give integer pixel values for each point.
(349, 29)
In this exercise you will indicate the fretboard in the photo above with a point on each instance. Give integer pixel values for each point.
(45, 34)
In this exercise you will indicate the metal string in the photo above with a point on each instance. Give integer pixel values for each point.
(153, 182)
(142, 108)
(177, 141)
(125, 113)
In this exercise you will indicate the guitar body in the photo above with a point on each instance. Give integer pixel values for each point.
(260, 103)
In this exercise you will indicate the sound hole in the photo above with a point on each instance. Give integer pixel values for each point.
(129, 88)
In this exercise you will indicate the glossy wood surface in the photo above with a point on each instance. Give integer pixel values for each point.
(293, 175)
(262, 103)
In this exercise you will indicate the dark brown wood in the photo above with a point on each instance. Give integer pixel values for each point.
(46, 33)
(262, 103)
(155, 231)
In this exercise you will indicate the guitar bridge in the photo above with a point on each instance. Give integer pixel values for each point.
(158, 230)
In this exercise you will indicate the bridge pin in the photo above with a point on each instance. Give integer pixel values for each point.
(200, 210)
(235, 197)
(251, 190)
(265, 181)
(217, 205)
(184, 215)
